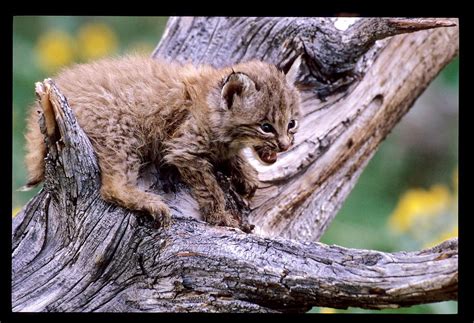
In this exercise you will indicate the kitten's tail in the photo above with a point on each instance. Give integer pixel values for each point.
(35, 152)
(28, 186)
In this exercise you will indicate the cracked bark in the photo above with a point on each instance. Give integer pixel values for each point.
(74, 252)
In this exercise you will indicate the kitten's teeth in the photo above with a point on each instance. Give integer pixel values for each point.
(269, 157)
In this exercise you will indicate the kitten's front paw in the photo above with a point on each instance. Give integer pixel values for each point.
(224, 219)
(227, 219)
(247, 227)
(161, 214)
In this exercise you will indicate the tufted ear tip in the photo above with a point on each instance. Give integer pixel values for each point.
(235, 84)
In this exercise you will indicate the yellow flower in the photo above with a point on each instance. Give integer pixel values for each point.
(54, 49)
(15, 211)
(96, 40)
(428, 217)
(419, 203)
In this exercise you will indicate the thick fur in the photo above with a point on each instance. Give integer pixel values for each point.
(137, 110)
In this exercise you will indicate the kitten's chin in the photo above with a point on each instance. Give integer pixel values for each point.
(265, 155)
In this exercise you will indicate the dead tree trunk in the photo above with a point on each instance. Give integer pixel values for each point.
(74, 252)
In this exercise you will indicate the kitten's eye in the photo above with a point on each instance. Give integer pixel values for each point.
(266, 127)
(292, 124)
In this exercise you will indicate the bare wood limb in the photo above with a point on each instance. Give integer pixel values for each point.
(142, 269)
(74, 252)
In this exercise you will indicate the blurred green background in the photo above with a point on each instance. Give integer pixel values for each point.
(406, 198)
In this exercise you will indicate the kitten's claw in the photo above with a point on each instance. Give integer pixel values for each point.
(161, 215)
(247, 228)
(226, 219)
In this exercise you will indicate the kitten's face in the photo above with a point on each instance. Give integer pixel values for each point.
(262, 110)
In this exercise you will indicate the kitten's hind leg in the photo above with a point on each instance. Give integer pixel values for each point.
(119, 185)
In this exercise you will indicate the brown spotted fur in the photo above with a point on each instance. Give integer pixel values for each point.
(137, 110)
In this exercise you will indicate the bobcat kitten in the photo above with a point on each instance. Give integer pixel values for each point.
(137, 110)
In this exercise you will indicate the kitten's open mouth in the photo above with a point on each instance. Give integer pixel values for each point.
(266, 155)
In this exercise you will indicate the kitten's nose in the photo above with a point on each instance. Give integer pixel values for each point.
(284, 144)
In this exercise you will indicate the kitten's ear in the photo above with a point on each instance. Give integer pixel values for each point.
(291, 75)
(235, 84)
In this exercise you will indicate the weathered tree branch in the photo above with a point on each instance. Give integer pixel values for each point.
(178, 270)
(329, 55)
(74, 252)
